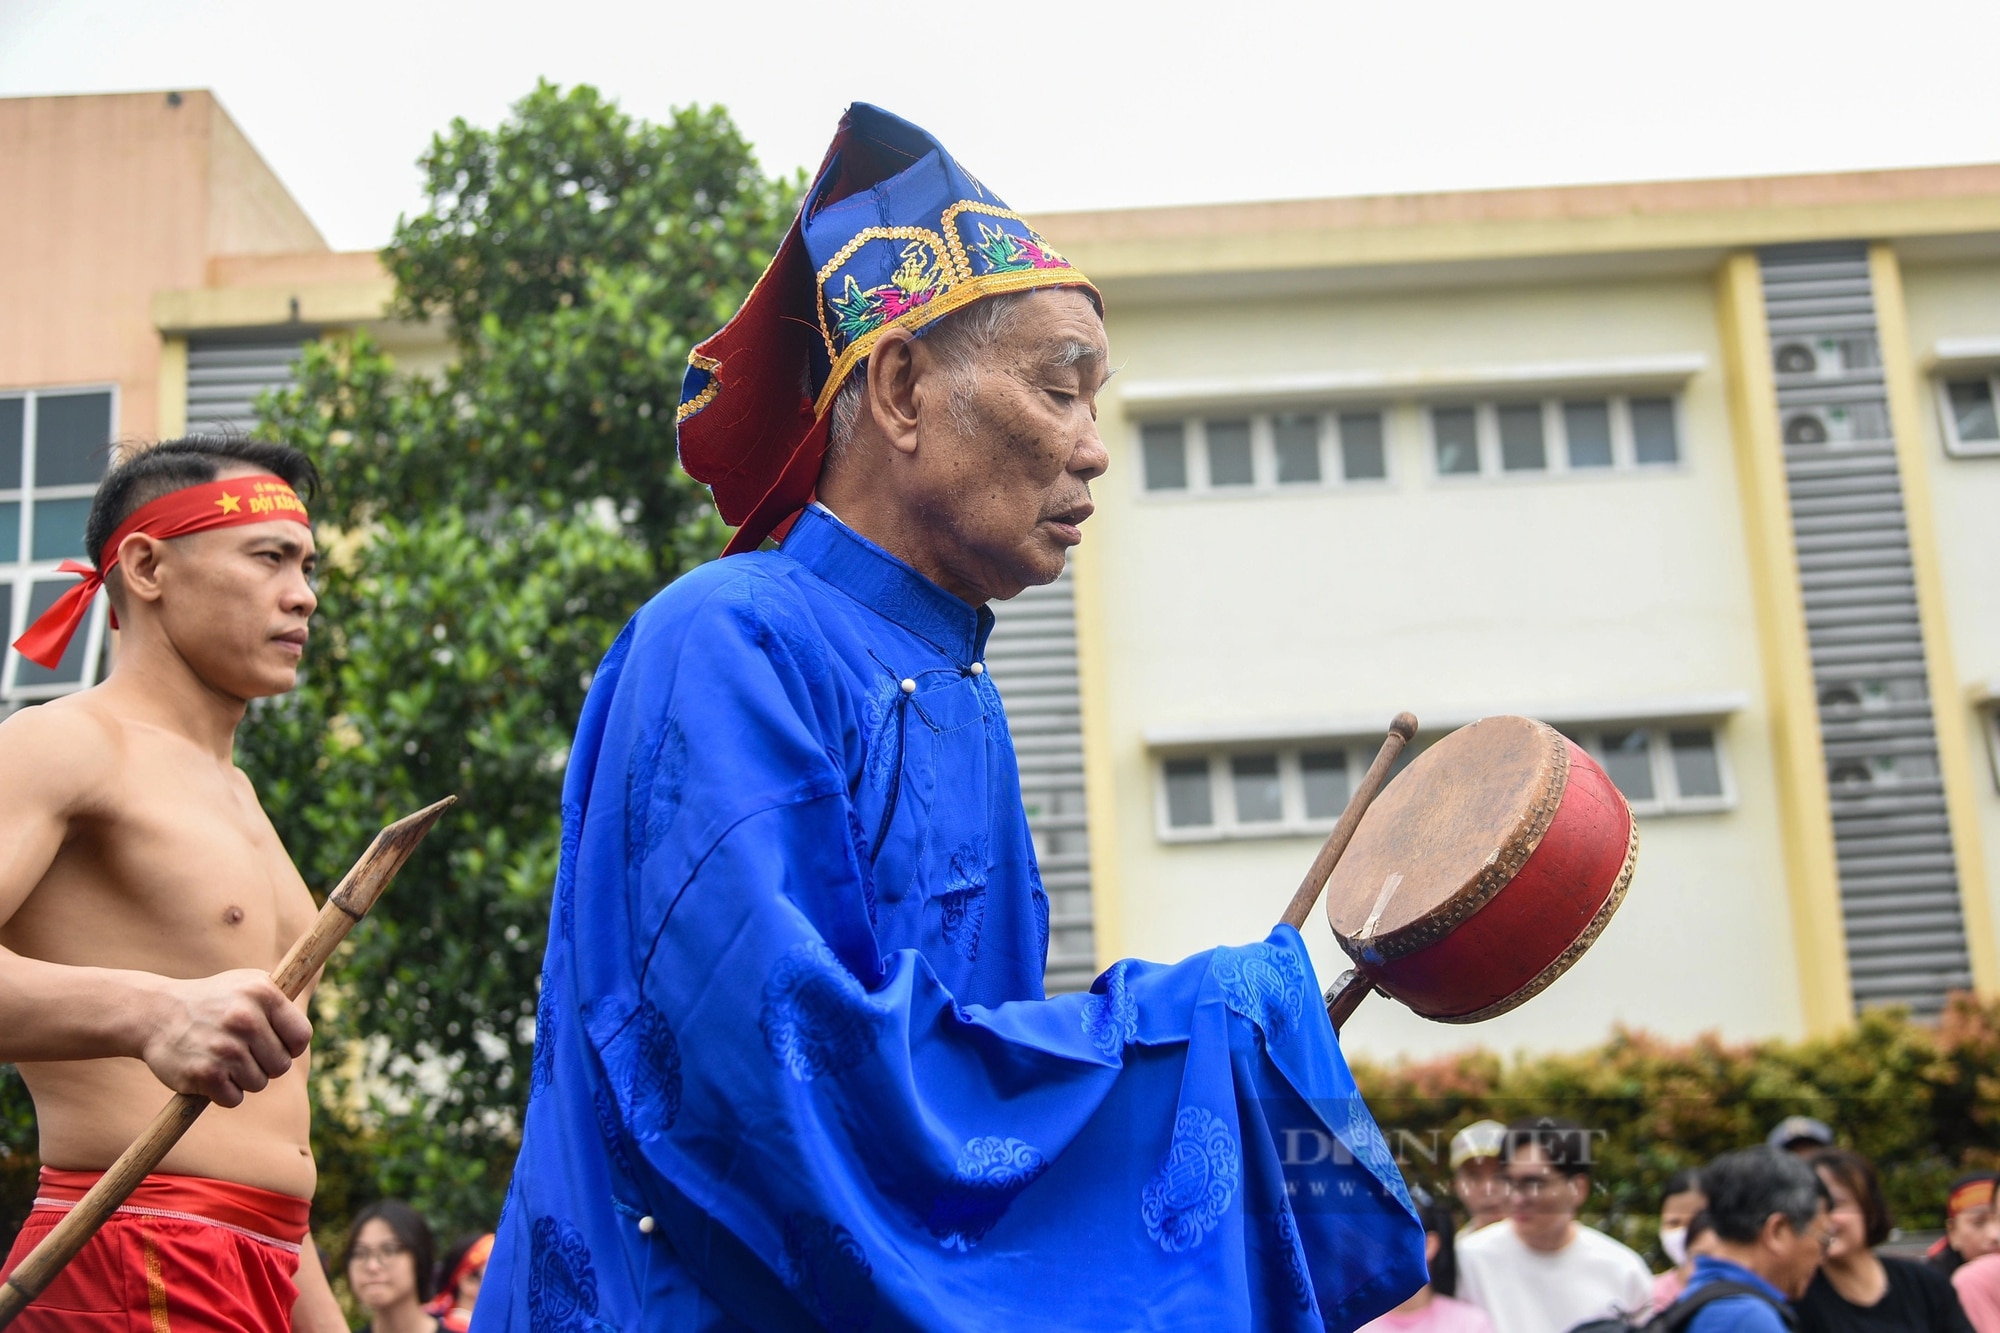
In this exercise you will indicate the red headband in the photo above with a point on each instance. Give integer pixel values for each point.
(214, 504)
(1972, 1194)
(475, 1257)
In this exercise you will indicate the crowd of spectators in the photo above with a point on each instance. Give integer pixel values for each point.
(1781, 1238)
(1784, 1237)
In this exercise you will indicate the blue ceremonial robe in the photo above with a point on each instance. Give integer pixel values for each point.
(793, 1066)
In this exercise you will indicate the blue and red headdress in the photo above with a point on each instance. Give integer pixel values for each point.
(892, 232)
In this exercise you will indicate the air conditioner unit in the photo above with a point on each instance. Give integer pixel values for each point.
(1795, 358)
(1846, 423)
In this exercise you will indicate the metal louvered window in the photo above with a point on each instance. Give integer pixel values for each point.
(1031, 656)
(1899, 887)
(226, 376)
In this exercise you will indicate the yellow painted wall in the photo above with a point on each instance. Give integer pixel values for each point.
(1430, 594)
(130, 195)
(1961, 300)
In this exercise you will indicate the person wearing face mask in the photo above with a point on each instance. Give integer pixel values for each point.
(1680, 1204)
(1857, 1290)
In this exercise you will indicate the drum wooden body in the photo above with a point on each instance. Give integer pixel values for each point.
(1483, 871)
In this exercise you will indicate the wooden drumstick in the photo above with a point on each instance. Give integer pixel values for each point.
(345, 906)
(1401, 730)
(1351, 988)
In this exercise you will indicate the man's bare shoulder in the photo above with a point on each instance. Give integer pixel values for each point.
(63, 751)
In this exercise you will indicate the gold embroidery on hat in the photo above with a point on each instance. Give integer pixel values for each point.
(708, 392)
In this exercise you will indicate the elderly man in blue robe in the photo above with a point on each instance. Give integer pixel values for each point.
(794, 1067)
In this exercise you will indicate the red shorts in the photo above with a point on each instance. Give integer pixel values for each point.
(184, 1254)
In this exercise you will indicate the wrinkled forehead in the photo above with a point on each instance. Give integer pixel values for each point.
(1059, 329)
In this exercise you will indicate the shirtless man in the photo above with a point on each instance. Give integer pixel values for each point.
(144, 896)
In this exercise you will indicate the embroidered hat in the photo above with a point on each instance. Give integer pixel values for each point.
(892, 232)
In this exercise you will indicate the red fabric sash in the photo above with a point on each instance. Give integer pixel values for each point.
(267, 1215)
(213, 504)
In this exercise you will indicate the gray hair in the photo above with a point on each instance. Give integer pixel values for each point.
(958, 340)
(1746, 1187)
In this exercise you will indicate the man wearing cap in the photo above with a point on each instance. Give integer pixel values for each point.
(1478, 1177)
(1800, 1135)
(144, 897)
(793, 1064)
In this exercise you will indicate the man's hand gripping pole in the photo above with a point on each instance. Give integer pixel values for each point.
(345, 906)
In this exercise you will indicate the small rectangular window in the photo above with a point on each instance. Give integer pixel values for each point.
(13, 413)
(1972, 415)
(1362, 457)
(1456, 430)
(6, 618)
(1229, 458)
(72, 432)
(1653, 438)
(1165, 446)
(1588, 427)
(10, 538)
(1260, 799)
(1696, 770)
(1296, 440)
(1189, 801)
(1323, 774)
(1628, 762)
(1521, 448)
(59, 529)
(69, 671)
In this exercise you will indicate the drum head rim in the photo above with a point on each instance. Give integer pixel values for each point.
(1567, 958)
(1494, 876)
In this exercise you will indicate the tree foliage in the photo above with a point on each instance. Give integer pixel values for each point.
(488, 530)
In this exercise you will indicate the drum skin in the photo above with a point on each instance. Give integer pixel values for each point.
(1488, 875)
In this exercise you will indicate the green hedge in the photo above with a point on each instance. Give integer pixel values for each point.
(1920, 1099)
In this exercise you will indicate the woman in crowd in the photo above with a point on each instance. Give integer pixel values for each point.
(459, 1276)
(1857, 1290)
(1680, 1204)
(390, 1262)
(1435, 1308)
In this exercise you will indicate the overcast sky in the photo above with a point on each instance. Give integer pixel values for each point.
(1080, 105)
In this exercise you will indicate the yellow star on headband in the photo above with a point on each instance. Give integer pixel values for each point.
(230, 504)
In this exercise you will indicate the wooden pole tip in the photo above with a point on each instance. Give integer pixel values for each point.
(1405, 725)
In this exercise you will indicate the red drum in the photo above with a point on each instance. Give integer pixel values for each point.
(1483, 871)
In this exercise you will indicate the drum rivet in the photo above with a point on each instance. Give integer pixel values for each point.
(909, 686)
(646, 1226)
(977, 668)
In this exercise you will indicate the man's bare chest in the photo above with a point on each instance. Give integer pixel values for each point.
(179, 873)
